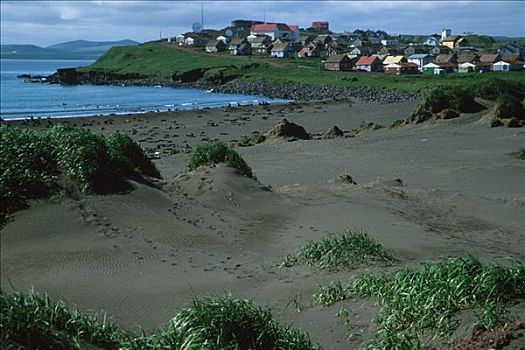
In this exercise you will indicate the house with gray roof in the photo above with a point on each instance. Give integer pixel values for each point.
(420, 59)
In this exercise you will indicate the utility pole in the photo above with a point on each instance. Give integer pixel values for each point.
(202, 16)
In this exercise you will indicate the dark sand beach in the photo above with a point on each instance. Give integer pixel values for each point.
(425, 192)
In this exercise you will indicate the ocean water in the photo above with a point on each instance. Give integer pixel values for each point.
(19, 100)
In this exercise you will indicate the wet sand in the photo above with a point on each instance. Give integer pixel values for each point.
(143, 255)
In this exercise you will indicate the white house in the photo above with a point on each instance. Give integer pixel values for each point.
(189, 41)
(420, 59)
(276, 31)
(251, 38)
(179, 38)
(502, 66)
(466, 67)
(222, 38)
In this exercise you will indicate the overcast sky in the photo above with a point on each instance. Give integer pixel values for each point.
(49, 22)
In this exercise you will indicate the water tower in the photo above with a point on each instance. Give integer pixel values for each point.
(196, 27)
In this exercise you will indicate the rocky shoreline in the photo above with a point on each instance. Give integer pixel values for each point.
(231, 85)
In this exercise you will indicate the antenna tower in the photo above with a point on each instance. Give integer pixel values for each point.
(202, 15)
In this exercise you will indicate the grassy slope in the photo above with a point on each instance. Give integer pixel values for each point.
(154, 59)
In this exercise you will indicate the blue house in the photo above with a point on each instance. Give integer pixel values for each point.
(511, 49)
(282, 50)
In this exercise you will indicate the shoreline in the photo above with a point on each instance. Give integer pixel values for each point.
(181, 112)
(232, 84)
(130, 113)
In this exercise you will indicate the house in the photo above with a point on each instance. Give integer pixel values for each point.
(430, 68)
(235, 44)
(489, 58)
(245, 49)
(311, 50)
(338, 63)
(215, 46)
(275, 31)
(240, 47)
(467, 57)
(251, 38)
(323, 39)
(295, 32)
(445, 33)
(450, 58)
(355, 51)
(402, 68)
(222, 38)
(453, 41)
(512, 57)
(189, 41)
(415, 50)
(369, 64)
(420, 59)
(306, 39)
(383, 50)
(262, 44)
(282, 50)
(432, 40)
(466, 67)
(394, 60)
(502, 66)
(336, 49)
(179, 39)
(320, 25)
(390, 42)
(438, 50)
(510, 49)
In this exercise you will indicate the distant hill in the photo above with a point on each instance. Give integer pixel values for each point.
(77, 49)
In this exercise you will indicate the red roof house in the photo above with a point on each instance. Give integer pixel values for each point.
(320, 25)
(276, 31)
(369, 64)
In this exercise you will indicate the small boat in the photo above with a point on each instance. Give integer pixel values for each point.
(210, 90)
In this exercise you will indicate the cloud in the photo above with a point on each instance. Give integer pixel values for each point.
(68, 13)
(47, 22)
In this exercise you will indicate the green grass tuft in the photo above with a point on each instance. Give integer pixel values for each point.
(34, 321)
(421, 304)
(211, 154)
(37, 163)
(126, 154)
(344, 251)
(227, 323)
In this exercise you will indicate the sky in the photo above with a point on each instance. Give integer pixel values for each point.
(48, 22)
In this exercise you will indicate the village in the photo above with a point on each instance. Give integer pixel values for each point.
(360, 50)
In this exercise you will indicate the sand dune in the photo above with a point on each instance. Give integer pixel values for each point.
(142, 255)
